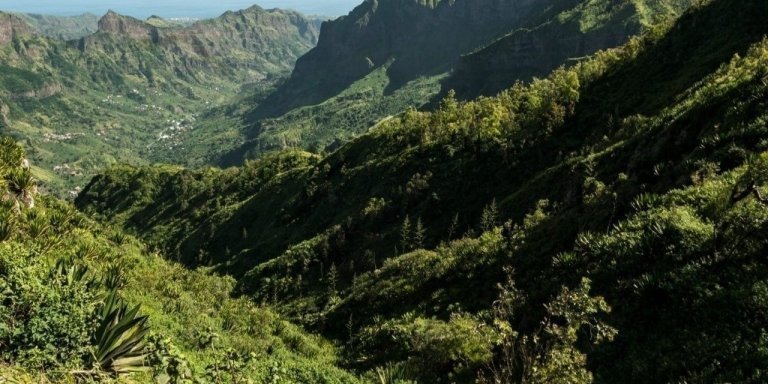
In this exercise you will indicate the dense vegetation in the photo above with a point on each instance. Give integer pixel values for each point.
(85, 303)
(603, 224)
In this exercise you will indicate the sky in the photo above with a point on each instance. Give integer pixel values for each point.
(174, 8)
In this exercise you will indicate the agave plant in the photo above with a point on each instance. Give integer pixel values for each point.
(86, 249)
(114, 277)
(70, 273)
(59, 221)
(22, 185)
(3, 181)
(38, 227)
(120, 337)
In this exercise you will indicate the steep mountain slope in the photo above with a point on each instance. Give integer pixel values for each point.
(59, 272)
(62, 27)
(390, 54)
(639, 173)
(420, 37)
(134, 92)
(572, 35)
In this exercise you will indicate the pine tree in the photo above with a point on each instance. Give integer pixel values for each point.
(453, 227)
(489, 217)
(333, 279)
(405, 234)
(419, 234)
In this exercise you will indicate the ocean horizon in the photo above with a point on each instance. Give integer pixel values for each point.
(173, 8)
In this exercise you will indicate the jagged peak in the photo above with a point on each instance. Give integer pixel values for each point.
(113, 22)
(254, 8)
(112, 15)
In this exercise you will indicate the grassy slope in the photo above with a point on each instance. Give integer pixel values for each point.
(340, 118)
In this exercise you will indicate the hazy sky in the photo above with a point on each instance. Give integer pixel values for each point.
(174, 8)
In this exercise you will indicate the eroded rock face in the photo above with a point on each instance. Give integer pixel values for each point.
(565, 38)
(12, 26)
(127, 26)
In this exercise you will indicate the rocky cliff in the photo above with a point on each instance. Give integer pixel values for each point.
(416, 37)
(128, 27)
(12, 26)
(422, 37)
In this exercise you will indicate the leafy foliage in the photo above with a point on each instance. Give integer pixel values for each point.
(625, 192)
(71, 291)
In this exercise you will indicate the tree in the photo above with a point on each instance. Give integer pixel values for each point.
(549, 353)
(453, 227)
(490, 216)
(419, 234)
(333, 280)
(405, 234)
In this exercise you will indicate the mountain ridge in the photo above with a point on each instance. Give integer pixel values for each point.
(62, 27)
(391, 54)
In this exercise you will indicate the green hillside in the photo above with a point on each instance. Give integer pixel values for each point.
(402, 50)
(70, 286)
(136, 93)
(604, 224)
(566, 38)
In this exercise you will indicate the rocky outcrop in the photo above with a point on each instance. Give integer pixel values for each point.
(11, 26)
(46, 91)
(127, 26)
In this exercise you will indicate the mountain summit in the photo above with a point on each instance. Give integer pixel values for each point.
(113, 22)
